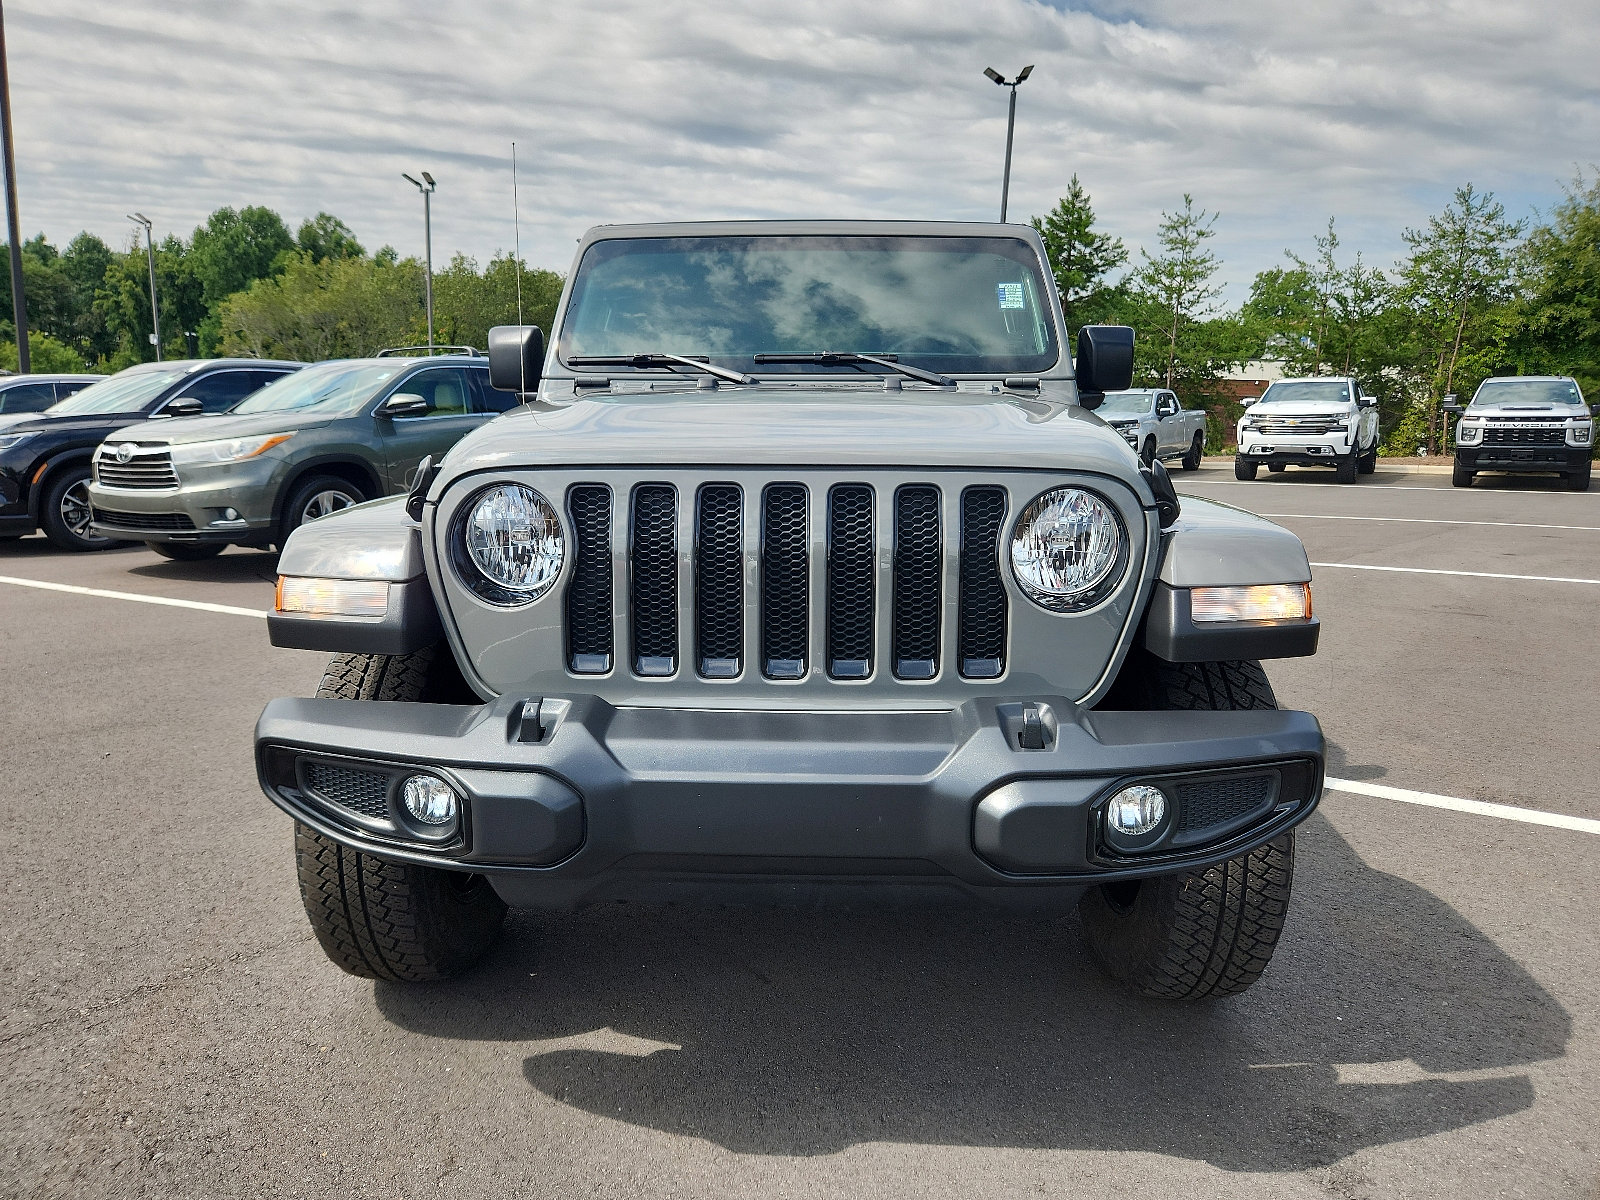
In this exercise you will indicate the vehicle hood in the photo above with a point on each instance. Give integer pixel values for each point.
(1301, 408)
(802, 427)
(7, 420)
(1551, 412)
(177, 431)
(88, 423)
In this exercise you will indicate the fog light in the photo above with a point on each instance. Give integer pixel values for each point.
(1135, 811)
(230, 514)
(430, 800)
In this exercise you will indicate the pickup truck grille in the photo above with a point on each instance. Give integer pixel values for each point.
(868, 621)
(1524, 437)
(1307, 426)
(146, 469)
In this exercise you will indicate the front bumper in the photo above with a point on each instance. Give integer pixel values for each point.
(1522, 458)
(622, 801)
(194, 511)
(1298, 452)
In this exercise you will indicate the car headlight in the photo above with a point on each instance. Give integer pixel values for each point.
(508, 544)
(1581, 435)
(226, 449)
(1468, 433)
(10, 440)
(1068, 549)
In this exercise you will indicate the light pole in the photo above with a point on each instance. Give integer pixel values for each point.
(19, 307)
(1011, 125)
(426, 186)
(150, 247)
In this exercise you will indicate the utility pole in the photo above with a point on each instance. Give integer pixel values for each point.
(1011, 126)
(150, 248)
(19, 307)
(427, 229)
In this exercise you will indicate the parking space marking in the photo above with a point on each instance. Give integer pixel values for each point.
(1481, 808)
(1395, 487)
(168, 601)
(1431, 521)
(1471, 574)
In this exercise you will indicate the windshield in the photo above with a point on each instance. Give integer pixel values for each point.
(328, 389)
(1313, 391)
(1126, 403)
(965, 305)
(1528, 391)
(127, 391)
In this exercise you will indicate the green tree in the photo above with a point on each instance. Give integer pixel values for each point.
(1174, 297)
(1558, 311)
(45, 354)
(466, 304)
(325, 236)
(1454, 283)
(1080, 258)
(336, 308)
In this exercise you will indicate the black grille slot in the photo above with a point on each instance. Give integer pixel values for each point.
(654, 590)
(365, 793)
(981, 596)
(1208, 803)
(1524, 437)
(719, 580)
(589, 632)
(918, 549)
(785, 586)
(165, 522)
(850, 581)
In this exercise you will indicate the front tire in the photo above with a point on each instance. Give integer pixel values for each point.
(1578, 481)
(64, 513)
(187, 551)
(1197, 450)
(1209, 931)
(1244, 468)
(386, 920)
(1345, 472)
(314, 498)
(1462, 477)
(1368, 462)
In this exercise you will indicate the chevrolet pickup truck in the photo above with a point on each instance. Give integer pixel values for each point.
(1155, 423)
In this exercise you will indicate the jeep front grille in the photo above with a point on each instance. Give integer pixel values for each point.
(829, 544)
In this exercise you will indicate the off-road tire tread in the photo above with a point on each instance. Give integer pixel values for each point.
(379, 676)
(1346, 469)
(1209, 932)
(381, 920)
(1244, 470)
(1196, 452)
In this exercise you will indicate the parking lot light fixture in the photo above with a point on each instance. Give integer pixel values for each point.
(1011, 126)
(150, 249)
(426, 185)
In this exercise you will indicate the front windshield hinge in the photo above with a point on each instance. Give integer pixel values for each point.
(1017, 383)
(591, 381)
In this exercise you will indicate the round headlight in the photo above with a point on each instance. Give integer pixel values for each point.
(1068, 549)
(511, 540)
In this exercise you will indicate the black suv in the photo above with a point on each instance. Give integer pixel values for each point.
(44, 459)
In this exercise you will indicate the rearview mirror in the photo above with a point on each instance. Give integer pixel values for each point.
(1105, 362)
(1450, 405)
(1249, 400)
(516, 357)
(403, 404)
(184, 406)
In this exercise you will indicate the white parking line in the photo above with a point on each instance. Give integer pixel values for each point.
(1503, 812)
(1391, 487)
(1431, 521)
(1472, 574)
(168, 601)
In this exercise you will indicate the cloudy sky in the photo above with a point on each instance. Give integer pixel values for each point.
(1274, 114)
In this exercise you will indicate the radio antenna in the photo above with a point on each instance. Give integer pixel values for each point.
(516, 226)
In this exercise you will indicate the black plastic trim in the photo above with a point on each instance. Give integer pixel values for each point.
(411, 623)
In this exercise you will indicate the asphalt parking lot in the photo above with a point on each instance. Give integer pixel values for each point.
(1430, 1027)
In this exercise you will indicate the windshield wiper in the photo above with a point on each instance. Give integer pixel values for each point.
(851, 358)
(661, 360)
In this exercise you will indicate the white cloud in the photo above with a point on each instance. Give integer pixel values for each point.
(1275, 115)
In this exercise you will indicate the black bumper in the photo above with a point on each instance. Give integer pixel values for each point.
(1522, 458)
(612, 801)
(1295, 458)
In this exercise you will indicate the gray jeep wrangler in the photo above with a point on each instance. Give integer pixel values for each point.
(807, 567)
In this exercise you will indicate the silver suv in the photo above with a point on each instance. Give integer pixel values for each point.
(807, 568)
(318, 441)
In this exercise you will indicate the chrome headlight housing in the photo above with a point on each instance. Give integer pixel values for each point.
(1069, 549)
(1467, 434)
(508, 544)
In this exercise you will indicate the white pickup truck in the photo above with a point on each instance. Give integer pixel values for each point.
(1325, 421)
(1156, 425)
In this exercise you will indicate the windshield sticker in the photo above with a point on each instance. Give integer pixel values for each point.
(1011, 295)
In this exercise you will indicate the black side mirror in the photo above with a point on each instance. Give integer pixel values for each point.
(1105, 362)
(516, 357)
(403, 404)
(1450, 405)
(1595, 408)
(185, 406)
